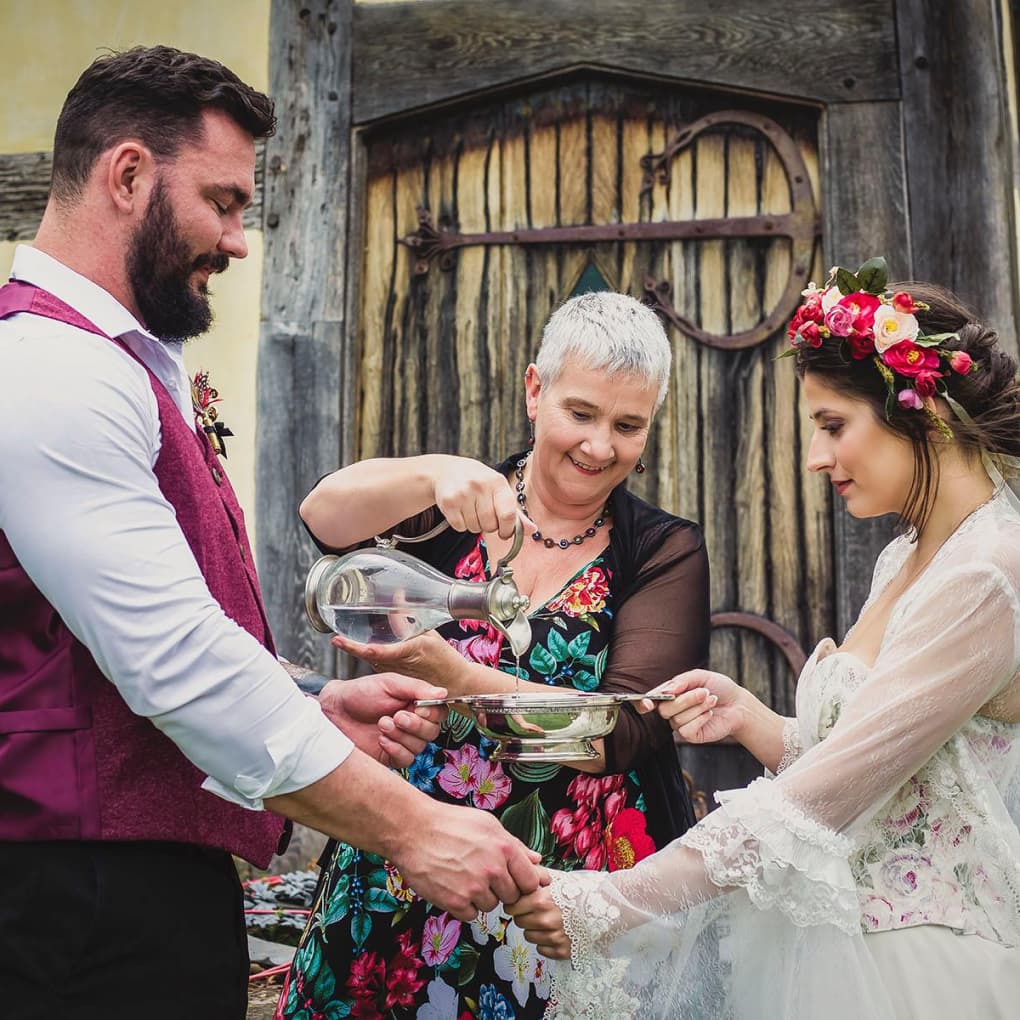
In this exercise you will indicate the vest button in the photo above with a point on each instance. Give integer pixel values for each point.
(217, 476)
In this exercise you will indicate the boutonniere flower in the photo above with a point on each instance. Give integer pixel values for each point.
(203, 399)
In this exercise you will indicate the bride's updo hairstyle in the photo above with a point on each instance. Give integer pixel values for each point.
(989, 390)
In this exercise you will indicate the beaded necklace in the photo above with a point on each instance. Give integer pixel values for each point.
(550, 543)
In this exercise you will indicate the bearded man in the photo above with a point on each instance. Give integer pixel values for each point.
(147, 728)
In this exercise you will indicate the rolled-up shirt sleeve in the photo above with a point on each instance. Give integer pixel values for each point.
(82, 510)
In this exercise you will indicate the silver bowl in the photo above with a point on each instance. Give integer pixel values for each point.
(535, 726)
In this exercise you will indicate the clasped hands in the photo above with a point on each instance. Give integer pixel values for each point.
(706, 709)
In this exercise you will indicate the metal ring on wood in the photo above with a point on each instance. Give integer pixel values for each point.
(769, 629)
(802, 225)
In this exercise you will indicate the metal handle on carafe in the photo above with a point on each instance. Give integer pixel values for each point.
(501, 603)
(518, 629)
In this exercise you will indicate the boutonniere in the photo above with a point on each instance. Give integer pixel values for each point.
(203, 397)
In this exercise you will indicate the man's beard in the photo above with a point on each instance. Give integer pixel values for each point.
(159, 267)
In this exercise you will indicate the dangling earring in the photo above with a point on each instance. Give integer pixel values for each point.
(640, 466)
(531, 432)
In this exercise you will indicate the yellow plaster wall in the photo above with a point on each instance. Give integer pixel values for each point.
(47, 44)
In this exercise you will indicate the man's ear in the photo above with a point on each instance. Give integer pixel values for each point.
(130, 176)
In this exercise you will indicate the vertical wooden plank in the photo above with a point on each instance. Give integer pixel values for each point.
(518, 340)
(959, 154)
(376, 315)
(755, 535)
(472, 289)
(303, 299)
(865, 215)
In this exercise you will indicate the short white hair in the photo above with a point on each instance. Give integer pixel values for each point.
(607, 332)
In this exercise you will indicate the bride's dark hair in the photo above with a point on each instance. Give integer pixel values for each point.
(990, 394)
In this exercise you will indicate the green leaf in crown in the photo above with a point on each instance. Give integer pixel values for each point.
(873, 276)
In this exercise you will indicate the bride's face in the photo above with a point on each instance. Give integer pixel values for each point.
(870, 466)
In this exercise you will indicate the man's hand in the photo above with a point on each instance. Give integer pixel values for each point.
(542, 922)
(466, 862)
(378, 714)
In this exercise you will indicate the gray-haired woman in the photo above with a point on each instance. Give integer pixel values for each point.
(619, 591)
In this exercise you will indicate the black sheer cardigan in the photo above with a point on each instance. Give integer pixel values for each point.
(660, 628)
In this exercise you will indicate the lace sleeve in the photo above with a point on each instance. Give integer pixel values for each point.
(785, 843)
(792, 746)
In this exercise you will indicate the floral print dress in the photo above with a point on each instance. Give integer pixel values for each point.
(373, 948)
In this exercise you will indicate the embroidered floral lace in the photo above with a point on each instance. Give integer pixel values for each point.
(894, 806)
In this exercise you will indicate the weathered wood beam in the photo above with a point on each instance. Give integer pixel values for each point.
(865, 204)
(25, 186)
(411, 55)
(301, 397)
(959, 153)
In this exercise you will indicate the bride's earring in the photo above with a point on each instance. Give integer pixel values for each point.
(640, 466)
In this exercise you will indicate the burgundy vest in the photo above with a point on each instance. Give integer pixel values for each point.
(75, 761)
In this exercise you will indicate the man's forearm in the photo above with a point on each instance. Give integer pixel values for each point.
(359, 802)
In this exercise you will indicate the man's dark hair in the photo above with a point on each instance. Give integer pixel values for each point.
(156, 94)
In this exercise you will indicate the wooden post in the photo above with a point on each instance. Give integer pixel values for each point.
(865, 214)
(301, 396)
(959, 154)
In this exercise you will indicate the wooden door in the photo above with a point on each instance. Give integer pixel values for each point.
(535, 115)
(479, 221)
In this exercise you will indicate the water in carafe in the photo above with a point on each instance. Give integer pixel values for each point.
(378, 625)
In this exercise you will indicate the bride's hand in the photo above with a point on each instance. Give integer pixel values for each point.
(705, 710)
(542, 923)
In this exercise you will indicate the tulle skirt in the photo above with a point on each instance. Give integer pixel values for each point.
(733, 961)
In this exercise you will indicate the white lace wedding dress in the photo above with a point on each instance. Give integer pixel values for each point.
(878, 874)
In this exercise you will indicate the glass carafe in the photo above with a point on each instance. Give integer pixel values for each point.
(385, 595)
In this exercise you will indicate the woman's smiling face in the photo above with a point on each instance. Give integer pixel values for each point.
(870, 466)
(590, 429)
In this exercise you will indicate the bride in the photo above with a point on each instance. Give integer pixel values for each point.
(876, 873)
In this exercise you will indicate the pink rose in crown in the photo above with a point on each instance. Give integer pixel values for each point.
(840, 320)
(960, 361)
(806, 315)
(861, 347)
(811, 334)
(862, 307)
(903, 302)
(910, 400)
(893, 327)
(924, 383)
(906, 358)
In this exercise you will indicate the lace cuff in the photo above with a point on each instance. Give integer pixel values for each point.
(792, 747)
(590, 984)
(760, 841)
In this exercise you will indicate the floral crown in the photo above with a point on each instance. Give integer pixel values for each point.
(855, 309)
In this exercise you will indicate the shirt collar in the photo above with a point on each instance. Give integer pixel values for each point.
(99, 306)
(105, 312)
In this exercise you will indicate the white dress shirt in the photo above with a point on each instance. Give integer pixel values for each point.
(80, 506)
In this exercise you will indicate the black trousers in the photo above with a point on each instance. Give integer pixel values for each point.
(120, 931)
